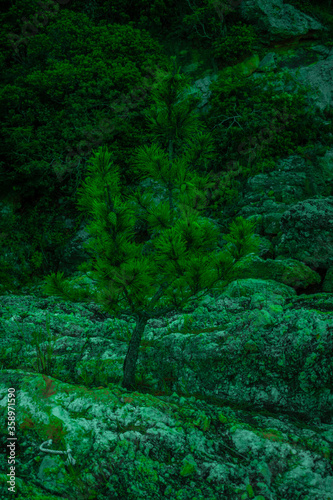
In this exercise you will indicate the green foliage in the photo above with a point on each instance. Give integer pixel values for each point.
(7, 280)
(155, 15)
(241, 237)
(236, 45)
(185, 260)
(37, 259)
(207, 21)
(72, 86)
(44, 356)
(260, 124)
(71, 67)
(14, 268)
(27, 253)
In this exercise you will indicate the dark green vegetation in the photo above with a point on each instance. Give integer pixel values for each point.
(82, 78)
(90, 106)
(182, 259)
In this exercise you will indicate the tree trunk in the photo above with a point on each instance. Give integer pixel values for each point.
(131, 358)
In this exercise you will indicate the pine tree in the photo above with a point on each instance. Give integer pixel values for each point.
(182, 260)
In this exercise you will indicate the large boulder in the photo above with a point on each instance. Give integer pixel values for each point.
(200, 88)
(292, 180)
(291, 272)
(307, 229)
(281, 21)
(239, 386)
(318, 76)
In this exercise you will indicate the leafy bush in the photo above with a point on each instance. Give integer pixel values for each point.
(237, 44)
(253, 130)
(77, 86)
(28, 253)
(76, 83)
(149, 14)
(206, 21)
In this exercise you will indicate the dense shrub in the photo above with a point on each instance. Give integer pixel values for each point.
(75, 87)
(259, 125)
(76, 73)
(207, 20)
(82, 80)
(31, 243)
(236, 45)
(158, 16)
(254, 127)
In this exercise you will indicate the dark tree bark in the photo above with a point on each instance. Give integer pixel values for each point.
(132, 355)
